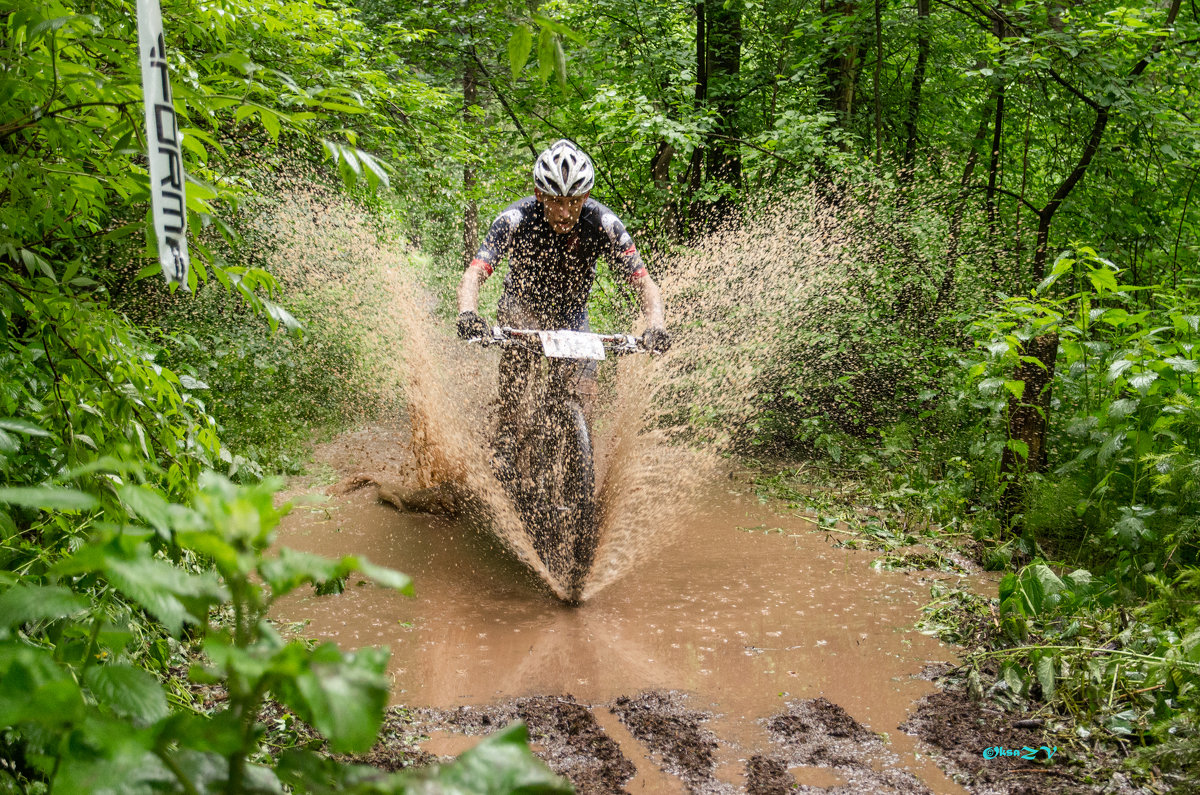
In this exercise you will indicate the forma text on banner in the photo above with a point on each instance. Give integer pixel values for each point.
(167, 197)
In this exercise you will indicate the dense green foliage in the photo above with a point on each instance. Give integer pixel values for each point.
(1019, 170)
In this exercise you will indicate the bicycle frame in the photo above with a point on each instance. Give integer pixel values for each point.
(554, 486)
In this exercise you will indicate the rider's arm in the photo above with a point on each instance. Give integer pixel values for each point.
(468, 288)
(496, 244)
(650, 298)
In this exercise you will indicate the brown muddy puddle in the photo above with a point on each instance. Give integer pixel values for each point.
(745, 613)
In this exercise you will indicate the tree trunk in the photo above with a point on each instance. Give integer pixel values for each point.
(723, 60)
(1028, 419)
(914, 89)
(660, 172)
(878, 70)
(841, 68)
(994, 163)
(470, 228)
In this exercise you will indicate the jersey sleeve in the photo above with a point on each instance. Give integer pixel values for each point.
(620, 250)
(498, 241)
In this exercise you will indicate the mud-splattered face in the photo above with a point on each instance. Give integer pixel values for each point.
(562, 211)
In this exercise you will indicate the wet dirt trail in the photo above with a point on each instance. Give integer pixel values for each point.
(747, 654)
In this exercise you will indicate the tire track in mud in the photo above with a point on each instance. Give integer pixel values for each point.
(815, 736)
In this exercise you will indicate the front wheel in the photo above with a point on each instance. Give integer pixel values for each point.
(558, 496)
(580, 484)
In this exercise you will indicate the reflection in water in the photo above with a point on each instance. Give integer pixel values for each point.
(741, 619)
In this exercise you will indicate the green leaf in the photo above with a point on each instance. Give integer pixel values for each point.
(22, 426)
(1045, 677)
(385, 577)
(148, 504)
(169, 593)
(519, 46)
(1110, 447)
(502, 763)
(342, 695)
(291, 569)
(190, 383)
(270, 122)
(48, 498)
(1182, 365)
(1102, 279)
(129, 692)
(1117, 368)
(280, 316)
(1015, 388)
(376, 175)
(545, 54)
(559, 28)
(560, 65)
(1142, 381)
(24, 603)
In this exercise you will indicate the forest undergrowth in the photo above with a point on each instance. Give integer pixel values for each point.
(967, 324)
(1095, 630)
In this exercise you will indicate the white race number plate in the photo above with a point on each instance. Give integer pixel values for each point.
(571, 345)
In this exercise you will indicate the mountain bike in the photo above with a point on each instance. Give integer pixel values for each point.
(551, 479)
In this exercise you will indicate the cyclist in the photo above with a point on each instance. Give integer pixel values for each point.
(553, 240)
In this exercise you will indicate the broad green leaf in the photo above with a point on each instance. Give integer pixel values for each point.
(1016, 388)
(341, 694)
(24, 603)
(385, 577)
(376, 174)
(22, 426)
(559, 28)
(147, 504)
(1142, 381)
(502, 763)
(35, 689)
(519, 46)
(50, 498)
(280, 316)
(270, 122)
(292, 568)
(1045, 677)
(545, 54)
(1117, 368)
(1122, 408)
(188, 382)
(1182, 365)
(129, 692)
(1112, 444)
(1102, 279)
(560, 65)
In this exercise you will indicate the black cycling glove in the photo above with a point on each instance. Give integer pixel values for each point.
(656, 339)
(471, 325)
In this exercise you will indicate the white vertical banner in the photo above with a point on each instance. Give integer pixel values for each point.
(162, 147)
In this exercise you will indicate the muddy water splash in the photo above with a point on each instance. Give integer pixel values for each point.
(364, 286)
(734, 300)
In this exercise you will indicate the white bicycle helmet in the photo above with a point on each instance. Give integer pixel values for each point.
(563, 170)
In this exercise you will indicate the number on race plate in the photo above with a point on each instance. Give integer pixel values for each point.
(571, 345)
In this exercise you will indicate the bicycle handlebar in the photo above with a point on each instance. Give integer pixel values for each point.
(617, 343)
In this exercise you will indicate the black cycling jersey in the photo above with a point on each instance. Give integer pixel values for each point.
(552, 273)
